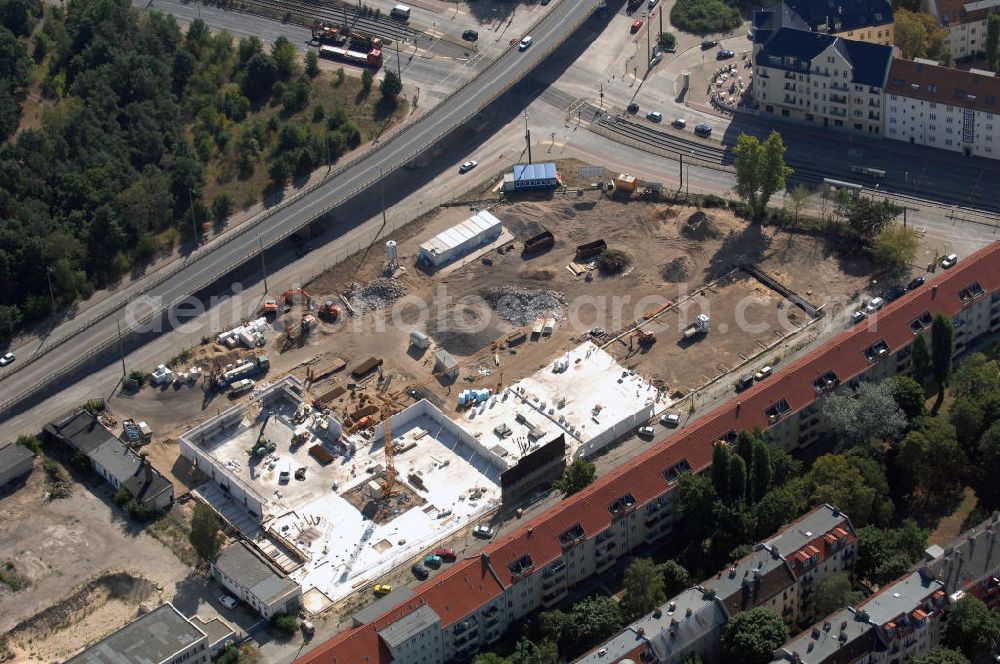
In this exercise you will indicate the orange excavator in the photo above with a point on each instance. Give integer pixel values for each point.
(329, 311)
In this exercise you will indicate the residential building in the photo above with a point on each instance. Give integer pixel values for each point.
(777, 575)
(965, 22)
(821, 79)
(219, 634)
(900, 621)
(861, 20)
(112, 459)
(534, 566)
(16, 461)
(162, 636)
(255, 582)
(927, 104)
(970, 565)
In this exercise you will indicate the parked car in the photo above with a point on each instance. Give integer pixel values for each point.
(525, 43)
(470, 35)
(894, 294)
(654, 116)
(420, 572)
(447, 555)
(680, 123)
(468, 166)
(876, 304)
(483, 531)
(653, 3)
(949, 261)
(725, 54)
(858, 316)
(709, 43)
(308, 629)
(670, 420)
(228, 601)
(636, 24)
(917, 282)
(703, 129)
(763, 372)
(743, 382)
(382, 589)
(633, 108)
(646, 432)
(432, 561)
(8, 358)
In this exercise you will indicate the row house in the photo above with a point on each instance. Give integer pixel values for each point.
(778, 575)
(965, 23)
(820, 79)
(534, 567)
(944, 108)
(860, 20)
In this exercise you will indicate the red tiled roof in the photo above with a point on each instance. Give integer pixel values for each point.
(361, 645)
(643, 476)
(953, 12)
(943, 85)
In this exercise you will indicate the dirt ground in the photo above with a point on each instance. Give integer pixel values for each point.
(84, 566)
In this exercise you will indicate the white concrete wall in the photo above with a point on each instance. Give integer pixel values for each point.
(940, 126)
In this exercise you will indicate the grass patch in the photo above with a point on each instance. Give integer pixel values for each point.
(10, 578)
(702, 17)
(173, 534)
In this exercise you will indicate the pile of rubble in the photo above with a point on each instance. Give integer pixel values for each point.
(376, 294)
(521, 306)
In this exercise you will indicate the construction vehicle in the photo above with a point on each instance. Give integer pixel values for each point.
(296, 296)
(329, 311)
(372, 58)
(257, 366)
(590, 249)
(240, 386)
(699, 327)
(269, 309)
(327, 34)
(644, 337)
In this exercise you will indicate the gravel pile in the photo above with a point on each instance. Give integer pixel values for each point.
(521, 306)
(376, 294)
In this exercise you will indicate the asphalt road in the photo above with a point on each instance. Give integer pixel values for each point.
(212, 261)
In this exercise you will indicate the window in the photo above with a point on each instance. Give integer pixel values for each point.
(947, 141)
(932, 116)
(989, 127)
(931, 87)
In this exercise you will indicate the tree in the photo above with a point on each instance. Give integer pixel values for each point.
(885, 554)
(751, 637)
(697, 502)
(921, 358)
(737, 480)
(367, 78)
(760, 170)
(489, 658)
(642, 589)
(675, 577)
(967, 418)
(577, 476)
(720, 468)
(667, 40)
(594, 620)
(18, 15)
(853, 484)
(779, 506)
(830, 593)
(918, 34)
(312, 63)
(868, 217)
(972, 628)
(993, 42)
(260, 76)
(391, 86)
(285, 623)
(205, 536)
(976, 378)
(988, 469)
(283, 52)
(940, 655)
(942, 349)
(222, 207)
(862, 416)
(247, 48)
(526, 652)
(909, 396)
(798, 198)
(760, 471)
(896, 247)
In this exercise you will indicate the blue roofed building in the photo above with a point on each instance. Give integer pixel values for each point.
(527, 177)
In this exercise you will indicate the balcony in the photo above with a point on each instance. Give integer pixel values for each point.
(790, 100)
(777, 411)
(790, 86)
(554, 569)
(550, 598)
(838, 112)
(622, 505)
(521, 566)
(970, 293)
(826, 383)
(673, 473)
(838, 99)
(572, 537)
(876, 350)
(839, 86)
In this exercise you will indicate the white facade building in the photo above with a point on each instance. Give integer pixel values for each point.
(927, 104)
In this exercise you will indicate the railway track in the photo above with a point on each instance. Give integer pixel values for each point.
(666, 142)
(383, 26)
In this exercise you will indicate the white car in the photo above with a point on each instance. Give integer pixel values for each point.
(949, 261)
(670, 419)
(228, 601)
(680, 123)
(654, 116)
(646, 432)
(8, 358)
(763, 373)
(468, 166)
(525, 43)
(484, 532)
(875, 305)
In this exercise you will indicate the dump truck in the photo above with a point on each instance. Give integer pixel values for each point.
(590, 249)
(699, 327)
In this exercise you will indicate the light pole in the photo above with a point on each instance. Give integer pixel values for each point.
(263, 268)
(121, 348)
(194, 221)
(52, 297)
(527, 135)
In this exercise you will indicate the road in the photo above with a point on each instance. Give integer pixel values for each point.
(207, 264)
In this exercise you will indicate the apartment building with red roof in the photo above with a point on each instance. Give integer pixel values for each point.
(534, 566)
(965, 21)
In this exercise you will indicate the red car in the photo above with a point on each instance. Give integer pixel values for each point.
(446, 554)
(636, 24)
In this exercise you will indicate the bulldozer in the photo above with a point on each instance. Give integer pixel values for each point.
(329, 311)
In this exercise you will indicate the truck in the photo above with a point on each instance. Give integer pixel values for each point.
(241, 386)
(373, 58)
(257, 366)
(699, 327)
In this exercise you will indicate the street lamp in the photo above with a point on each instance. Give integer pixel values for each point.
(52, 297)
(194, 221)
(262, 267)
